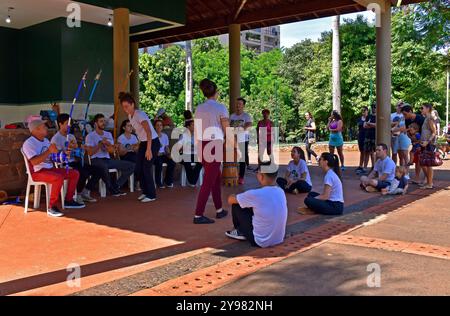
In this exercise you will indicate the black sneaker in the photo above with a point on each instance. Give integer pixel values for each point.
(222, 214)
(117, 193)
(203, 220)
(54, 212)
(359, 169)
(73, 204)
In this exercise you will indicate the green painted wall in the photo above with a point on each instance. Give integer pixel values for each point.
(9, 66)
(40, 63)
(89, 47)
(45, 62)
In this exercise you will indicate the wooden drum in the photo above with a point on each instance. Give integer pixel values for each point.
(230, 171)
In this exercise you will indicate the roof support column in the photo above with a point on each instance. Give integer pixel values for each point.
(134, 79)
(235, 64)
(383, 73)
(121, 60)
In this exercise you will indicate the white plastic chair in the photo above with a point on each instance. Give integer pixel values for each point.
(37, 189)
(184, 178)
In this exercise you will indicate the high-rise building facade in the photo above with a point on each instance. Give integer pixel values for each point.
(261, 39)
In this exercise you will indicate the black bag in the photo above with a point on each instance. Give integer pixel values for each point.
(429, 157)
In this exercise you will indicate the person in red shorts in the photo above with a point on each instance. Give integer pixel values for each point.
(38, 150)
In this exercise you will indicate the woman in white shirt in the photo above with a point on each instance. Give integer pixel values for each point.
(212, 118)
(297, 178)
(186, 146)
(331, 201)
(148, 147)
(163, 157)
(128, 142)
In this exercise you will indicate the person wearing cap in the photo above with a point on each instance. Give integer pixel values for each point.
(264, 127)
(166, 119)
(38, 149)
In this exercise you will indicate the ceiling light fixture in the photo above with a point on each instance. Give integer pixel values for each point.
(8, 19)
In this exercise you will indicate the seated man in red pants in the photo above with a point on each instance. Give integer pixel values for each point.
(38, 150)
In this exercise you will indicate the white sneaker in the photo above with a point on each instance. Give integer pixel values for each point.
(54, 212)
(141, 197)
(146, 200)
(309, 163)
(87, 198)
(170, 186)
(191, 185)
(79, 199)
(235, 234)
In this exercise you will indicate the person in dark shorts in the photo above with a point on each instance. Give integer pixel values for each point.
(361, 138)
(383, 172)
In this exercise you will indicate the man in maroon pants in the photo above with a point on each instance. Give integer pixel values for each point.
(38, 150)
(210, 134)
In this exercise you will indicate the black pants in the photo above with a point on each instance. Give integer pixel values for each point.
(168, 178)
(144, 168)
(323, 207)
(309, 150)
(103, 165)
(242, 221)
(130, 156)
(192, 172)
(86, 172)
(243, 165)
(301, 185)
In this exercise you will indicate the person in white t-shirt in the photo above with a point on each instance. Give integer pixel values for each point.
(128, 142)
(88, 173)
(260, 215)
(162, 157)
(188, 149)
(382, 174)
(210, 126)
(148, 147)
(331, 201)
(243, 121)
(297, 178)
(99, 146)
(38, 151)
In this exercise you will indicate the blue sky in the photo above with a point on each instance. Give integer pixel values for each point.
(293, 33)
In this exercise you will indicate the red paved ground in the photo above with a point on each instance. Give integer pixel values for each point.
(118, 237)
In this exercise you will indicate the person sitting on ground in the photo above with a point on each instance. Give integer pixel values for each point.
(166, 119)
(297, 178)
(128, 142)
(37, 149)
(87, 172)
(186, 146)
(260, 215)
(163, 157)
(383, 172)
(99, 146)
(331, 201)
(264, 127)
(400, 183)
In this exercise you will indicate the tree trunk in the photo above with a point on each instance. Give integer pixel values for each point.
(336, 52)
(189, 82)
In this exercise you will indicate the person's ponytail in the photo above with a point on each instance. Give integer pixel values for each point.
(336, 167)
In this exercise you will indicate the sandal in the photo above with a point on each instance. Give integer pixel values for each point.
(427, 187)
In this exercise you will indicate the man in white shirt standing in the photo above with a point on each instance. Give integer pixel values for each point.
(383, 172)
(99, 145)
(243, 121)
(38, 151)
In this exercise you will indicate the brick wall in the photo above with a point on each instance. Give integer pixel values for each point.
(13, 176)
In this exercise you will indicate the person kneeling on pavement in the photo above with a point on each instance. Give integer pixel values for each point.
(260, 215)
(38, 150)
